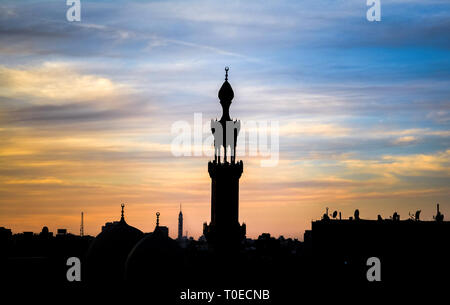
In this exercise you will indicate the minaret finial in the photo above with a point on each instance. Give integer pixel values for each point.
(157, 219)
(122, 218)
(226, 72)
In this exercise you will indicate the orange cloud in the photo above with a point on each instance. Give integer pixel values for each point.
(54, 83)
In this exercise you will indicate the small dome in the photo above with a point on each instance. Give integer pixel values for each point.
(156, 254)
(109, 250)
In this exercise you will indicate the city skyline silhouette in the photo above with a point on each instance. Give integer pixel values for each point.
(225, 172)
(335, 248)
(211, 152)
(87, 110)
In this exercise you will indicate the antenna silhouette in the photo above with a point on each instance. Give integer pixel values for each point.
(82, 225)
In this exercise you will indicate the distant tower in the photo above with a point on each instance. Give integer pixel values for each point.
(224, 230)
(82, 225)
(180, 224)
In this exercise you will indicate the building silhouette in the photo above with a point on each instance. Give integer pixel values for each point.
(108, 252)
(408, 249)
(155, 259)
(180, 224)
(224, 230)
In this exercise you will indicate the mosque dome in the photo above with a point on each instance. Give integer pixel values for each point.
(226, 93)
(108, 251)
(156, 253)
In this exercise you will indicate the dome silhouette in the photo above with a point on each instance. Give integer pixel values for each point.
(156, 253)
(109, 250)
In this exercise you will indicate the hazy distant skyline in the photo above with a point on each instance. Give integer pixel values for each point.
(86, 110)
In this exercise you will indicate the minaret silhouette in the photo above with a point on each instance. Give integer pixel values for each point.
(224, 230)
(180, 224)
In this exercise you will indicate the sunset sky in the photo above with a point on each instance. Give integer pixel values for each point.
(86, 110)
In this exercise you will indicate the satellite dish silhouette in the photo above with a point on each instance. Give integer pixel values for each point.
(334, 214)
(417, 216)
(396, 216)
(356, 214)
(439, 216)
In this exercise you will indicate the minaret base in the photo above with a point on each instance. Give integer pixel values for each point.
(224, 230)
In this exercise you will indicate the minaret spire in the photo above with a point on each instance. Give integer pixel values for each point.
(157, 219)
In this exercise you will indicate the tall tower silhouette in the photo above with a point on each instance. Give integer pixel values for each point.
(224, 230)
(180, 224)
(82, 225)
